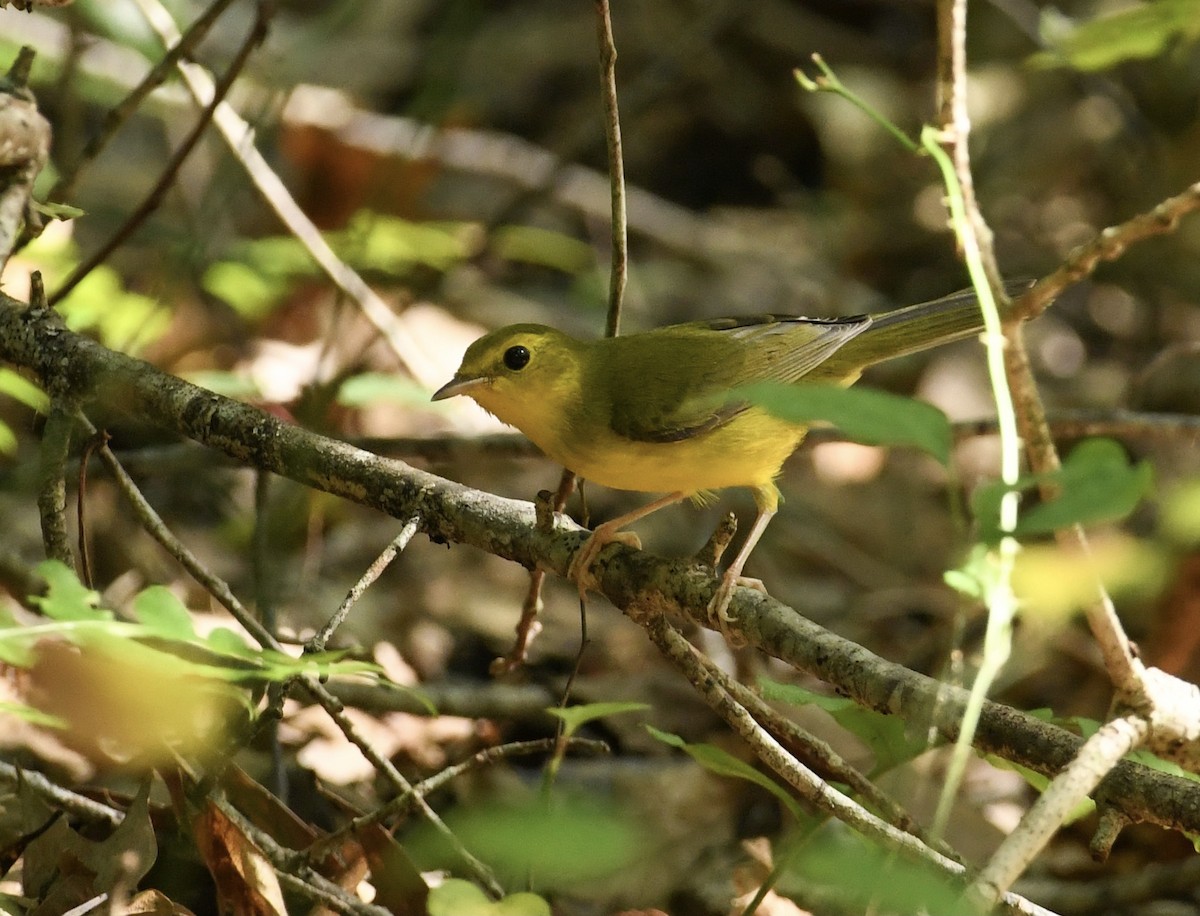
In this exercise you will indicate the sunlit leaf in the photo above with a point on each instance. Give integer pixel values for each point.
(575, 717)
(123, 320)
(163, 613)
(535, 245)
(862, 414)
(249, 292)
(229, 384)
(1054, 582)
(1138, 32)
(556, 842)
(1179, 513)
(369, 388)
(456, 897)
(389, 243)
(8, 439)
(32, 714)
(1097, 483)
(19, 388)
(66, 597)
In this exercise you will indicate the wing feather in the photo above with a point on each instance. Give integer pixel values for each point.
(671, 384)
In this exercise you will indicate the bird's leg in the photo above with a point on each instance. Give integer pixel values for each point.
(603, 535)
(718, 607)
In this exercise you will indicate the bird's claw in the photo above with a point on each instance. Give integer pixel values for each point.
(580, 570)
(718, 607)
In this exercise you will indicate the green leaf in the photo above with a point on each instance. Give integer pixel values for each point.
(535, 245)
(456, 897)
(1097, 484)
(33, 716)
(19, 388)
(163, 613)
(230, 384)
(557, 842)
(1139, 32)
(8, 439)
(886, 736)
(371, 388)
(389, 243)
(862, 414)
(249, 292)
(575, 717)
(722, 763)
(66, 597)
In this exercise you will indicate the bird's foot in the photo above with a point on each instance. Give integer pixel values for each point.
(718, 607)
(580, 570)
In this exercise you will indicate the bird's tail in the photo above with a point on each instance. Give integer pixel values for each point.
(915, 328)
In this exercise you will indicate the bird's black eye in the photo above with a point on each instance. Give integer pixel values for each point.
(516, 358)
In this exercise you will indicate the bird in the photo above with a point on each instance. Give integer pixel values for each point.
(658, 412)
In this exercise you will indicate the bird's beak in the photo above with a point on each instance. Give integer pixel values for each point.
(457, 386)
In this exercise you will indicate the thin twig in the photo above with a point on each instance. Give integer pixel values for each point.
(128, 106)
(166, 180)
(293, 871)
(157, 529)
(336, 711)
(239, 136)
(400, 804)
(810, 787)
(374, 571)
(616, 167)
(78, 805)
(85, 559)
(1108, 246)
(1095, 759)
(331, 704)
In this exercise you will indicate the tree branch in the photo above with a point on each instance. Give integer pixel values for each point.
(36, 340)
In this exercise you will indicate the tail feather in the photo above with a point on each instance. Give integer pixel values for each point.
(912, 329)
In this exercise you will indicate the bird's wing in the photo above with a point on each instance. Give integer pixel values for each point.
(680, 392)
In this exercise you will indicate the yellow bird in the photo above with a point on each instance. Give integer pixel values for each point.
(652, 412)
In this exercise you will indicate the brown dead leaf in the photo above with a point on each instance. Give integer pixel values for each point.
(246, 882)
(64, 869)
(154, 903)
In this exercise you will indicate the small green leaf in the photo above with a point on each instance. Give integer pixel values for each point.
(19, 388)
(371, 388)
(575, 717)
(249, 292)
(1138, 32)
(66, 597)
(1097, 484)
(862, 414)
(456, 897)
(225, 641)
(722, 763)
(886, 736)
(32, 715)
(163, 613)
(535, 245)
(229, 384)
(8, 439)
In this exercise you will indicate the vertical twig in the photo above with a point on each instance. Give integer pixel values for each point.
(52, 489)
(616, 167)
(321, 638)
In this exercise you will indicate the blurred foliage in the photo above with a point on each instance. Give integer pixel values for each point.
(747, 196)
